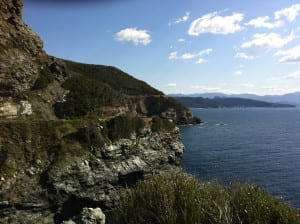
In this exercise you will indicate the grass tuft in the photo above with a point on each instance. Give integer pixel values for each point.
(179, 198)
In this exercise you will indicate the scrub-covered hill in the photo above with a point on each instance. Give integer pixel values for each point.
(73, 135)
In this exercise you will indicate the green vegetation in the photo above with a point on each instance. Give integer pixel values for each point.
(179, 198)
(159, 124)
(58, 142)
(157, 105)
(85, 96)
(24, 142)
(124, 126)
(114, 77)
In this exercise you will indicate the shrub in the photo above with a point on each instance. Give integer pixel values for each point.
(179, 198)
(123, 126)
(160, 124)
(45, 78)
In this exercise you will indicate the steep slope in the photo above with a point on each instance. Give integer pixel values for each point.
(73, 135)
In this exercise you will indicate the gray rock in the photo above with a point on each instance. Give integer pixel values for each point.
(92, 216)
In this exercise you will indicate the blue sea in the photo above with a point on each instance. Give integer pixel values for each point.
(256, 145)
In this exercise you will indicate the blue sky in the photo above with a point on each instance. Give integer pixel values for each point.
(178, 46)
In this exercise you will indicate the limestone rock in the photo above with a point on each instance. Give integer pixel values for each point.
(92, 216)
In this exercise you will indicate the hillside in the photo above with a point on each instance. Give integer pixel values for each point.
(289, 98)
(228, 102)
(73, 135)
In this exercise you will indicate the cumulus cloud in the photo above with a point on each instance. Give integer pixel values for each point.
(215, 24)
(188, 56)
(243, 55)
(133, 35)
(289, 56)
(262, 22)
(183, 18)
(271, 40)
(289, 13)
(173, 55)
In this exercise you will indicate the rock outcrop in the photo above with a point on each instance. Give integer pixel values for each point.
(20, 48)
(71, 137)
(41, 188)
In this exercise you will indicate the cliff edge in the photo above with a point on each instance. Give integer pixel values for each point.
(73, 135)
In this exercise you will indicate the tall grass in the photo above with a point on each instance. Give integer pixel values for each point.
(181, 199)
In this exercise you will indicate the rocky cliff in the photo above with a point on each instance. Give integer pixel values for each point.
(71, 136)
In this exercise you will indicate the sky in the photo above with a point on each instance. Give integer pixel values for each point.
(179, 46)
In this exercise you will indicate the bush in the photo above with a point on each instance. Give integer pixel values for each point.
(123, 126)
(160, 124)
(45, 78)
(179, 198)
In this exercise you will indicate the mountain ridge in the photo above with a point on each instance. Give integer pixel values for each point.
(289, 98)
(226, 102)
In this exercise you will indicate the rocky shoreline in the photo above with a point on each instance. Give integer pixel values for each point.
(65, 158)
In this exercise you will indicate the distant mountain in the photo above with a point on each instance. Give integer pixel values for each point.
(228, 102)
(290, 98)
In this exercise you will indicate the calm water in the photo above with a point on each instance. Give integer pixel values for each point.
(257, 145)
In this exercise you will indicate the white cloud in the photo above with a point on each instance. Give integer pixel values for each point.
(243, 56)
(290, 13)
(188, 56)
(173, 55)
(262, 22)
(271, 40)
(294, 75)
(133, 35)
(205, 52)
(200, 61)
(172, 85)
(289, 56)
(183, 18)
(181, 40)
(215, 24)
(238, 72)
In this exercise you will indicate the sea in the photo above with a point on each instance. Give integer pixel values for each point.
(251, 145)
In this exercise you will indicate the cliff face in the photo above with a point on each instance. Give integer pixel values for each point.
(71, 136)
(48, 175)
(20, 48)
